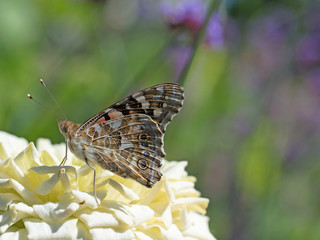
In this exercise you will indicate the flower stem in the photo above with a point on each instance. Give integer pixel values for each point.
(197, 41)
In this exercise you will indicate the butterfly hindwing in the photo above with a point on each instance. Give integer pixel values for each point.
(130, 146)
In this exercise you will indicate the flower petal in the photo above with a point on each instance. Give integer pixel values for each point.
(174, 170)
(11, 145)
(83, 231)
(98, 219)
(57, 230)
(152, 194)
(26, 194)
(84, 199)
(166, 217)
(111, 234)
(56, 211)
(139, 213)
(15, 213)
(182, 221)
(158, 232)
(169, 190)
(120, 188)
(119, 211)
(196, 204)
(6, 199)
(59, 174)
(5, 221)
(18, 166)
(56, 151)
(199, 227)
(28, 158)
(184, 189)
(20, 234)
(142, 236)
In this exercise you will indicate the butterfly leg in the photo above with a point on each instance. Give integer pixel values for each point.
(65, 157)
(94, 181)
(63, 161)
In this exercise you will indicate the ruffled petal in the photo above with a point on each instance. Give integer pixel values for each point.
(199, 227)
(11, 145)
(111, 234)
(56, 211)
(18, 234)
(39, 230)
(15, 213)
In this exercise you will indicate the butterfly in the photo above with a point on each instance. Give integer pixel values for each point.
(127, 137)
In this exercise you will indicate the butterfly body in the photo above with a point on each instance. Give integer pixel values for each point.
(127, 137)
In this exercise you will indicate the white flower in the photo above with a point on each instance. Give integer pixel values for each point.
(40, 200)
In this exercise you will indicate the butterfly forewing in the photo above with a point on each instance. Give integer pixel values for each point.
(161, 102)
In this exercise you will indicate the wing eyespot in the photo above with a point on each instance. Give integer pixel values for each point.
(143, 164)
(143, 136)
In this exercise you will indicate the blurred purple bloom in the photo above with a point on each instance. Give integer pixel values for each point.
(190, 15)
(308, 50)
(268, 46)
(270, 32)
(215, 32)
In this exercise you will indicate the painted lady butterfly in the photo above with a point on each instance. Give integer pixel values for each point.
(127, 137)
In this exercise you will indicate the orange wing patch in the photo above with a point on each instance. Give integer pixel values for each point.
(102, 120)
(115, 114)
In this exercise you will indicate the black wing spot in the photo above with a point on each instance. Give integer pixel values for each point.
(106, 116)
(144, 144)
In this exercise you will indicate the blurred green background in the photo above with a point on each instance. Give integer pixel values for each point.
(250, 124)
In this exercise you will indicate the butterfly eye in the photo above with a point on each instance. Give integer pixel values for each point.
(143, 136)
(143, 164)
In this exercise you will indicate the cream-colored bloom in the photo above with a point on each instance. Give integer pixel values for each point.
(40, 200)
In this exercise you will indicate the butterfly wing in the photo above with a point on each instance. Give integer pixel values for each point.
(130, 146)
(127, 137)
(160, 102)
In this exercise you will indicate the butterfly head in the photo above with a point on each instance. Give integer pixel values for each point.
(63, 127)
(66, 128)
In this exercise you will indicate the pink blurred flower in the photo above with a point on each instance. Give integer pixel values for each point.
(190, 15)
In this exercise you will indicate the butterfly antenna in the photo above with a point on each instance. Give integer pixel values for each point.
(52, 97)
(45, 107)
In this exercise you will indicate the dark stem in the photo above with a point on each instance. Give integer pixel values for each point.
(197, 41)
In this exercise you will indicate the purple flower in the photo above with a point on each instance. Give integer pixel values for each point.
(190, 15)
(215, 31)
